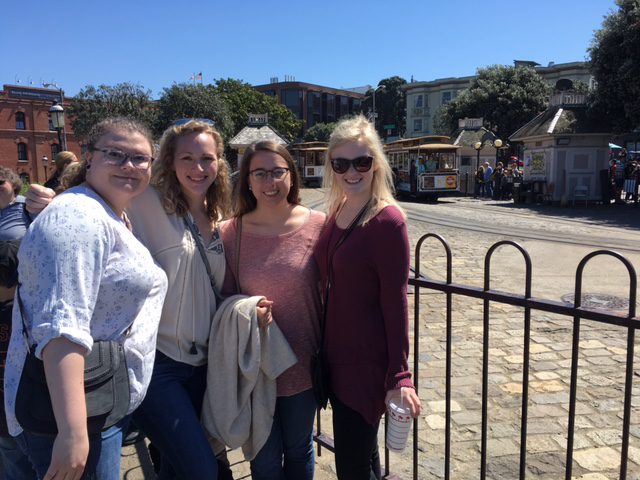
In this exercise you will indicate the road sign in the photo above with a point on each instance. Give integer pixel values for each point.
(389, 127)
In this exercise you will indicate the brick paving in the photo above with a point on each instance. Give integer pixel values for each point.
(602, 355)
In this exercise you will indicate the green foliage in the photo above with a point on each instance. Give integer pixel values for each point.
(615, 65)
(242, 99)
(390, 105)
(320, 132)
(93, 105)
(506, 97)
(193, 101)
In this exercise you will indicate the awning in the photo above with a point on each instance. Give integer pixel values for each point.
(613, 145)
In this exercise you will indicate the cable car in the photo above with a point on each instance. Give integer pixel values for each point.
(424, 167)
(309, 157)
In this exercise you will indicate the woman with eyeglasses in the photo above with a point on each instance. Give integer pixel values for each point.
(363, 257)
(275, 260)
(190, 193)
(85, 277)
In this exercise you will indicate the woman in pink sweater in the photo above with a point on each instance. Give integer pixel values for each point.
(276, 261)
(365, 270)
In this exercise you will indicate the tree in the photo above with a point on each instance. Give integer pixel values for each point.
(615, 65)
(92, 105)
(193, 101)
(390, 104)
(506, 97)
(320, 132)
(242, 99)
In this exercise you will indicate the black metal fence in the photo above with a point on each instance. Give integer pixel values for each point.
(576, 312)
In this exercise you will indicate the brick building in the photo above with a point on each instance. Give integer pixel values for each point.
(314, 103)
(27, 135)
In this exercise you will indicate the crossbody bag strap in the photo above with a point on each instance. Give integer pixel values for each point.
(196, 238)
(345, 234)
(25, 332)
(238, 238)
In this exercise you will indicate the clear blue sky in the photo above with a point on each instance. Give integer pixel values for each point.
(333, 43)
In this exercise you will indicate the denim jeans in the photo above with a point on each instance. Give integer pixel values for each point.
(170, 417)
(356, 444)
(103, 462)
(291, 437)
(15, 464)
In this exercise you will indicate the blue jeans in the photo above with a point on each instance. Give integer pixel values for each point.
(170, 417)
(291, 437)
(15, 464)
(103, 462)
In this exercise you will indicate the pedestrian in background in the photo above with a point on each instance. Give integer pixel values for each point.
(62, 160)
(363, 257)
(479, 182)
(488, 172)
(14, 219)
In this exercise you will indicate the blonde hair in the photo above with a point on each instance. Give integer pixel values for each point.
(359, 129)
(70, 172)
(63, 159)
(164, 177)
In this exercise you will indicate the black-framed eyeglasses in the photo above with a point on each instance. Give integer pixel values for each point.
(184, 121)
(118, 158)
(360, 164)
(260, 174)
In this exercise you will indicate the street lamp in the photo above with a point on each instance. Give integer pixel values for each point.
(498, 144)
(57, 119)
(45, 164)
(375, 115)
(478, 147)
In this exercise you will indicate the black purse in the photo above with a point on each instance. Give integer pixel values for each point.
(106, 388)
(320, 377)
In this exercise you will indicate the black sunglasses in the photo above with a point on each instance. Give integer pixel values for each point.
(360, 164)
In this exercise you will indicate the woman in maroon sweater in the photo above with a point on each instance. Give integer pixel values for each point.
(366, 340)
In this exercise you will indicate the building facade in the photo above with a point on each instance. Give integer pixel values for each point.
(314, 103)
(28, 141)
(424, 99)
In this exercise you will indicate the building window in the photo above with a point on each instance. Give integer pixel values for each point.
(292, 99)
(20, 123)
(314, 108)
(446, 97)
(419, 100)
(22, 152)
(55, 150)
(343, 105)
(331, 108)
(417, 125)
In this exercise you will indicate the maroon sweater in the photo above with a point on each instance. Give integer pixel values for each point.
(367, 330)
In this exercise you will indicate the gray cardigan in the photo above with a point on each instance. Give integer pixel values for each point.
(244, 362)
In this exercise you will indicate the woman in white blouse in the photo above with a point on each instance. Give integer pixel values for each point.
(85, 277)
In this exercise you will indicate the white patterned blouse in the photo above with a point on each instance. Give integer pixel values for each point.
(85, 277)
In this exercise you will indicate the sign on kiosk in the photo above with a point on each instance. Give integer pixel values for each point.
(535, 166)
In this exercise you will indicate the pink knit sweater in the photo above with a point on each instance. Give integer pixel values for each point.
(282, 268)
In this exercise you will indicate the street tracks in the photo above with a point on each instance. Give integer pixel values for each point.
(606, 237)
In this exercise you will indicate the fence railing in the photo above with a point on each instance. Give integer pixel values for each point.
(576, 312)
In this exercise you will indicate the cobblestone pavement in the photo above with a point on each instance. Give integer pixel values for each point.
(556, 239)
